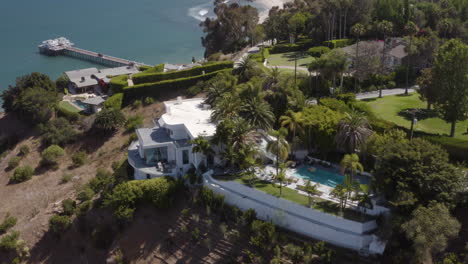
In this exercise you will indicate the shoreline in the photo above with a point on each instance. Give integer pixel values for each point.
(268, 4)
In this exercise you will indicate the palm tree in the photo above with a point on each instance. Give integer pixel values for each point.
(227, 107)
(353, 131)
(201, 145)
(314, 66)
(351, 162)
(217, 87)
(410, 29)
(244, 68)
(271, 78)
(310, 190)
(364, 198)
(281, 177)
(279, 147)
(357, 30)
(343, 191)
(257, 113)
(386, 28)
(293, 122)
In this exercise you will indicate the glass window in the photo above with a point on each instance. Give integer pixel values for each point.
(185, 156)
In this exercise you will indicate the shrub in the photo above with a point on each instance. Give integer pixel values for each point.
(115, 101)
(161, 88)
(84, 207)
(68, 206)
(196, 89)
(58, 224)
(335, 105)
(144, 77)
(125, 196)
(86, 194)
(79, 159)
(338, 43)
(102, 180)
(249, 216)
(303, 44)
(263, 234)
(215, 56)
(7, 223)
(24, 150)
(51, 154)
(14, 162)
(148, 101)
(137, 104)
(347, 98)
(22, 174)
(318, 51)
(196, 234)
(117, 83)
(57, 132)
(134, 122)
(109, 120)
(9, 242)
(66, 178)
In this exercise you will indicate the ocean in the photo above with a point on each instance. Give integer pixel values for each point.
(148, 31)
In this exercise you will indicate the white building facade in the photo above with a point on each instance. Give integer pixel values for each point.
(166, 149)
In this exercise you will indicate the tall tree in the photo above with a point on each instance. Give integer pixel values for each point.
(258, 113)
(279, 147)
(427, 90)
(429, 229)
(413, 173)
(353, 131)
(410, 30)
(450, 75)
(231, 30)
(293, 122)
(351, 162)
(357, 30)
(385, 28)
(201, 145)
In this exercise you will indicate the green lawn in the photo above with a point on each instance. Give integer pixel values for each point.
(67, 106)
(318, 203)
(392, 108)
(287, 59)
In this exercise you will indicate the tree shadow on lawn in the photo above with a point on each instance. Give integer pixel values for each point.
(420, 114)
(370, 99)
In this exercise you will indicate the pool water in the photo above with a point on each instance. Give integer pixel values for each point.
(80, 104)
(324, 177)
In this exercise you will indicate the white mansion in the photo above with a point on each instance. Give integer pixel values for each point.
(165, 150)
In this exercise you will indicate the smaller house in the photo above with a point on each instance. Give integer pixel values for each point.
(94, 104)
(93, 80)
(394, 53)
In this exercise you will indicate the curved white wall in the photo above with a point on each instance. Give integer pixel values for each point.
(306, 221)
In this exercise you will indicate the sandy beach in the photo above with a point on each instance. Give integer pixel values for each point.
(269, 4)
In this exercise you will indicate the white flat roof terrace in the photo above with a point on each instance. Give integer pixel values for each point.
(193, 114)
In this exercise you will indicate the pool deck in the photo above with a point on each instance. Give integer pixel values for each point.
(269, 171)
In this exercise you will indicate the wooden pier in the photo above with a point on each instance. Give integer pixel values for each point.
(63, 46)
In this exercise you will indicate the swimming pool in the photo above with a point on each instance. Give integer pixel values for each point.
(328, 178)
(80, 104)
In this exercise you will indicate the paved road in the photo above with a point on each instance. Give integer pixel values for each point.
(375, 94)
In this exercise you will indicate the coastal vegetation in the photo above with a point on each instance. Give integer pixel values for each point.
(94, 210)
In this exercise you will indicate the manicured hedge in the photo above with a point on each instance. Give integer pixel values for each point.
(155, 69)
(115, 101)
(302, 44)
(118, 83)
(157, 89)
(318, 51)
(141, 78)
(338, 43)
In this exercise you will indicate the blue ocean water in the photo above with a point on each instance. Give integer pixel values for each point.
(149, 31)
